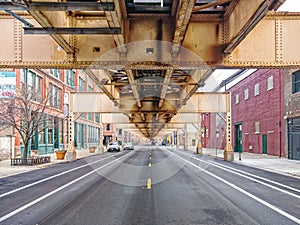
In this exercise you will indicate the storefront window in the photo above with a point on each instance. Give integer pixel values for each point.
(61, 131)
(50, 130)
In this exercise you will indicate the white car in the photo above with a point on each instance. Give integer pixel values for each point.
(113, 147)
(128, 146)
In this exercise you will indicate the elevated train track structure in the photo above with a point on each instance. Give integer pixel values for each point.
(149, 57)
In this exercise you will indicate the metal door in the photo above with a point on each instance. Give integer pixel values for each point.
(238, 138)
(264, 144)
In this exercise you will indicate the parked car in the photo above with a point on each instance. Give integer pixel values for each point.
(128, 146)
(113, 147)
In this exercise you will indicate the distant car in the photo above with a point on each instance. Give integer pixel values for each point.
(113, 147)
(128, 146)
(163, 143)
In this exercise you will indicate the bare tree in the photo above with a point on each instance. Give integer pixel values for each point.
(25, 112)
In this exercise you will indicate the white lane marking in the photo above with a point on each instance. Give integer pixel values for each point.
(283, 213)
(249, 174)
(49, 178)
(255, 180)
(5, 217)
(223, 167)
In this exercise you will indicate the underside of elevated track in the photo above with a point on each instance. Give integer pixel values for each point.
(148, 57)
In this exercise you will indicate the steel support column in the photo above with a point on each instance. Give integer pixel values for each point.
(228, 153)
(71, 153)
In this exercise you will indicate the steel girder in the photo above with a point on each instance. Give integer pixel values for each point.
(150, 126)
(216, 31)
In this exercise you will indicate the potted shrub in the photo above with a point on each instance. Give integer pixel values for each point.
(92, 149)
(60, 153)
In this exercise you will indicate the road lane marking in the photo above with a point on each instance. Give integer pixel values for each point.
(49, 178)
(149, 184)
(22, 208)
(150, 165)
(262, 178)
(258, 181)
(250, 177)
(276, 209)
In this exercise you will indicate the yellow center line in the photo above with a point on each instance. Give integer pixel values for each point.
(150, 164)
(149, 184)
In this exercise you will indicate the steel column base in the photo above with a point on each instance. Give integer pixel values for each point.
(228, 155)
(71, 156)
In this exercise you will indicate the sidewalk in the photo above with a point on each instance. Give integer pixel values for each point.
(265, 162)
(7, 170)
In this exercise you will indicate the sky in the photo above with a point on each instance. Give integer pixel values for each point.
(222, 74)
(290, 6)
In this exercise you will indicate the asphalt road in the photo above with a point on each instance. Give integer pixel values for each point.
(148, 186)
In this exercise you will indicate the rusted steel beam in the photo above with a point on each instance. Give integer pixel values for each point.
(68, 30)
(248, 27)
(215, 3)
(59, 6)
(183, 18)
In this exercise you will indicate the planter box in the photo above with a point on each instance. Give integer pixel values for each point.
(60, 155)
(92, 149)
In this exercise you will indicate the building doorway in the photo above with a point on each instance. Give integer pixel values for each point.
(238, 138)
(264, 144)
(294, 138)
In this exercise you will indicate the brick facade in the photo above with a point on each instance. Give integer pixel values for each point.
(292, 117)
(213, 130)
(261, 114)
(86, 126)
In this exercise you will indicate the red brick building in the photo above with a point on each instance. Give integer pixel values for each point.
(213, 130)
(258, 113)
(60, 83)
(257, 104)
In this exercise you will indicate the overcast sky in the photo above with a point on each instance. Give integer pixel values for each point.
(290, 5)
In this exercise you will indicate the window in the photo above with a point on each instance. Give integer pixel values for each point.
(237, 99)
(56, 72)
(270, 83)
(107, 126)
(69, 77)
(42, 132)
(30, 78)
(97, 117)
(55, 96)
(246, 94)
(33, 82)
(256, 89)
(39, 88)
(50, 130)
(83, 115)
(90, 115)
(22, 78)
(257, 128)
(81, 85)
(296, 82)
